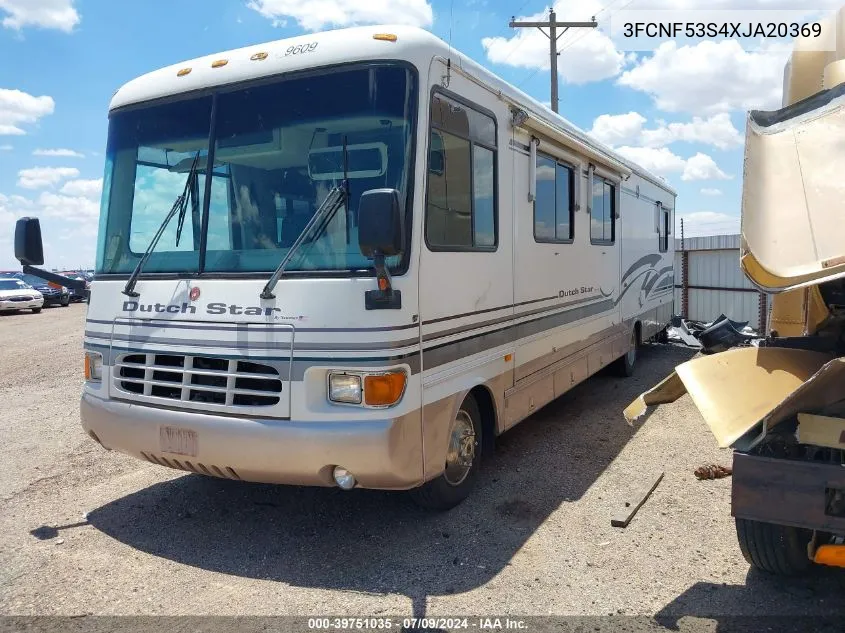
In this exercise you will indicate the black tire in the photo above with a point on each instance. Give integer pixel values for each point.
(624, 365)
(440, 494)
(66, 302)
(776, 549)
(36, 310)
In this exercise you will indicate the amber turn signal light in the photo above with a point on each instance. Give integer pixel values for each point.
(383, 390)
(833, 555)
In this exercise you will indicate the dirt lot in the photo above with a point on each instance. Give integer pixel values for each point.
(88, 531)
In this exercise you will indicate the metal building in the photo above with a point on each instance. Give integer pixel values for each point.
(709, 282)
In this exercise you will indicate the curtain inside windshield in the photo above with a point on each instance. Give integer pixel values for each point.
(278, 149)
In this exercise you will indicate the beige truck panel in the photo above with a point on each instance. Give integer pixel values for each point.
(746, 387)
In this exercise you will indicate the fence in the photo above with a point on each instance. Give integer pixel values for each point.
(710, 282)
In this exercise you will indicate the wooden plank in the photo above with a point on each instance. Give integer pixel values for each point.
(634, 502)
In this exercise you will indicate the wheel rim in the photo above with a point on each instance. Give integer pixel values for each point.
(461, 453)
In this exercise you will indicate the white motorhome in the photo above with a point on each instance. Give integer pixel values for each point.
(455, 256)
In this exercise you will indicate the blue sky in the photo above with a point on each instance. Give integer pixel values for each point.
(678, 110)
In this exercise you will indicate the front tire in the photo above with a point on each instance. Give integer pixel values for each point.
(65, 302)
(776, 549)
(463, 459)
(36, 310)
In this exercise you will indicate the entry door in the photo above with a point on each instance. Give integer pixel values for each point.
(466, 262)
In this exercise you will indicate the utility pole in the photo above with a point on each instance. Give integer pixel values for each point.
(553, 25)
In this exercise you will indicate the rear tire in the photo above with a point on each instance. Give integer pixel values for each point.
(775, 549)
(624, 365)
(36, 310)
(458, 479)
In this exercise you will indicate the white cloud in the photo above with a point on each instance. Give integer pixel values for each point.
(67, 153)
(706, 191)
(62, 218)
(18, 107)
(584, 56)
(84, 188)
(660, 160)
(74, 208)
(703, 167)
(619, 129)
(6, 148)
(628, 129)
(313, 15)
(42, 177)
(709, 77)
(701, 223)
(663, 162)
(47, 14)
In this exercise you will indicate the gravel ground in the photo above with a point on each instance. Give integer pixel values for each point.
(89, 531)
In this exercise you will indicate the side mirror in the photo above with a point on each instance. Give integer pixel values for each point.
(28, 248)
(381, 225)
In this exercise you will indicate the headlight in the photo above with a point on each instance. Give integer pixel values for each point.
(93, 366)
(345, 388)
(378, 389)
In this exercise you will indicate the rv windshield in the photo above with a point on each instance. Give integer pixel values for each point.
(277, 151)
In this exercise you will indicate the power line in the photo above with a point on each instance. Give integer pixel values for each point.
(552, 24)
(567, 45)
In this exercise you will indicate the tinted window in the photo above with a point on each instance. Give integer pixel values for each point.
(553, 205)
(483, 198)
(461, 211)
(279, 148)
(563, 202)
(663, 219)
(544, 203)
(602, 211)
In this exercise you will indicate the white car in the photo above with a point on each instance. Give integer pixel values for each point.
(19, 295)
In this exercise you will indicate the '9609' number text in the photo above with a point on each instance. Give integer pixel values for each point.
(301, 48)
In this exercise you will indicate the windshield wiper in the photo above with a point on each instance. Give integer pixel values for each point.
(335, 199)
(180, 206)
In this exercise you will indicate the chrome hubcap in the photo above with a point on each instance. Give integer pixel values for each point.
(461, 453)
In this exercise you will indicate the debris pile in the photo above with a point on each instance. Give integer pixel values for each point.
(713, 471)
(716, 336)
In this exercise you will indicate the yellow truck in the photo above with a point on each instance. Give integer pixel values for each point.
(780, 402)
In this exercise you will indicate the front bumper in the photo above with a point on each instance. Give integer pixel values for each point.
(54, 300)
(384, 453)
(21, 305)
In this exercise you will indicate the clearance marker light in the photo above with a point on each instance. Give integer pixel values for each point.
(183, 72)
(219, 63)
(387, 37)
(259, 56)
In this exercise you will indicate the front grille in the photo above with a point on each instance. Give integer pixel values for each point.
(19, 298)
(199, 379)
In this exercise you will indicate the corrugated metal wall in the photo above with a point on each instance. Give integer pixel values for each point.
(715, 283)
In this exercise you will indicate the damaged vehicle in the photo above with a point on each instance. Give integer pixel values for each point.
(779, 400)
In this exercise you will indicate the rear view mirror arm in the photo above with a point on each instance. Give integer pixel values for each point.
(75, 284)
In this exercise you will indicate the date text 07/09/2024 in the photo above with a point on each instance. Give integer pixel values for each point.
(430, 623)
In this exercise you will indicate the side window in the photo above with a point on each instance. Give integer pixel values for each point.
(461, 213)
(663, 218)
(603, 212)
(553, 203)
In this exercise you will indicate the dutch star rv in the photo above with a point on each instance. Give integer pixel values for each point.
(353, 258)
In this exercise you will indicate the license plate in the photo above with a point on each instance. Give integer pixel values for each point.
(178, 441)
